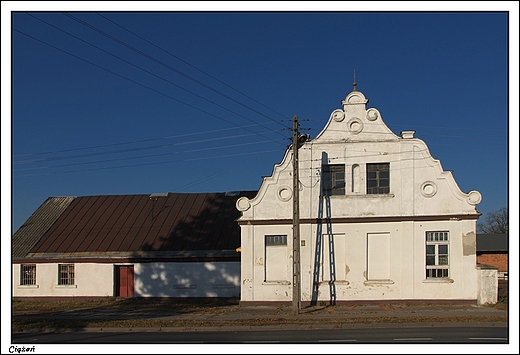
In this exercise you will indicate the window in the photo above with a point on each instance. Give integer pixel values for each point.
(378, 256)
(355, 178)
(333, 180)
(65, 274)
(275, 240)
(28, 274)
(378, 178)
(437, 256)
(276, 266)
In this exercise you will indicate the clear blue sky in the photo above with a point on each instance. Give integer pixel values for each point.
(140, 103)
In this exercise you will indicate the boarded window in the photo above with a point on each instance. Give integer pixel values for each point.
(276, 260)
(333, 258)
(378, 256)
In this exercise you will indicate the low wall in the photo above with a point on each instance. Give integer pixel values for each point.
(487, 283)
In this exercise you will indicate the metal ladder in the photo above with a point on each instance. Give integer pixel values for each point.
(319, 251)
(332, 261)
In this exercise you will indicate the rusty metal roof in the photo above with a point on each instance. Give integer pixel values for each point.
(146, 225)
(35, 227)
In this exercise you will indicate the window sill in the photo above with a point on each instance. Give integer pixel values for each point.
(66, 286)
(276, 283)
(27, 286)
(378, 282)
(352, 195)
(337, 282)
(439, 280)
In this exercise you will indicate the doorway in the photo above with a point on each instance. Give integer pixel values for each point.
(124, 280)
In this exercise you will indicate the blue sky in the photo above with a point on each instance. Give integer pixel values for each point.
(133, 102)
(139, 103)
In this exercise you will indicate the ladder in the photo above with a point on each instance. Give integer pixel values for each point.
(319, 251)
(317, 254)
(332, 262)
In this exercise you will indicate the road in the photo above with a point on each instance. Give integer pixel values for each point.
(452, 334)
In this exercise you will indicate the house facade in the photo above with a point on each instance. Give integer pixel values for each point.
(379, 220)
(158, 245)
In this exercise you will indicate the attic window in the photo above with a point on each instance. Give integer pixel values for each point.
(333, 180)
(378, 178)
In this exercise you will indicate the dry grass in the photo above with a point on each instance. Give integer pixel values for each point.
(121, 304)
(137, 313)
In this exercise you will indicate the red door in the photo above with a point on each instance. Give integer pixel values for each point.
(125, 281)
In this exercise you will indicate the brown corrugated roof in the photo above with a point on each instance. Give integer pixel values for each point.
(35, 227)
(133, 225)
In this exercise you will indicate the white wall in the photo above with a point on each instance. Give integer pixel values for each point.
(400, 258)
(488, 285)
(195, 279)
(423, 197)
(91, 280)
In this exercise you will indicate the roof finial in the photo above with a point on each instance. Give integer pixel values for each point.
(354, 84)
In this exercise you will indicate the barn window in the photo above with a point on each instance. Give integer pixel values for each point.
(65, 274)
(28, 274)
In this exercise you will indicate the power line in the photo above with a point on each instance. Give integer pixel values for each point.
(154, 163)
(142, 156)
(162, 63)
(138, 67)
(135, 82)
(192, 66)
(133, 142)
(88, 155)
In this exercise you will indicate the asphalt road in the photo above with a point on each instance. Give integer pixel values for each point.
(449, 334)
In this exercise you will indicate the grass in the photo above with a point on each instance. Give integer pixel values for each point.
(135, 313)
(121, 304)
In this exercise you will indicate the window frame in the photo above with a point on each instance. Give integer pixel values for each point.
(439, 267)
(27, 279)
(66, 274)
(330, 178)
(273, 242)
(378, 169)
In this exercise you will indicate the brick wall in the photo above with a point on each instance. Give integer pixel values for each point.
(498, 260)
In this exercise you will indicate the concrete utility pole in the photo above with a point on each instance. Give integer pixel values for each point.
(296, 301)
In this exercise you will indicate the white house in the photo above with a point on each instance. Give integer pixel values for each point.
(380, 220)
(158, 245)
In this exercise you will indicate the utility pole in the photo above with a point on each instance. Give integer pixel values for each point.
(296, 301)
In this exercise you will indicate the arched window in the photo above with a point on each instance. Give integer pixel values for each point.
(355, 178)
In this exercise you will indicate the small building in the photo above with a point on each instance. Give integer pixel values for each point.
(492, 249)
(379, 220)
(158, 245)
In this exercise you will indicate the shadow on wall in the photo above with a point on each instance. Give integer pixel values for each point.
(194, 263)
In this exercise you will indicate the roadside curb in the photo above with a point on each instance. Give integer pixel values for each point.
(281, 327)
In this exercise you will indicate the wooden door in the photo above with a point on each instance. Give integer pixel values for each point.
(125, 281)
